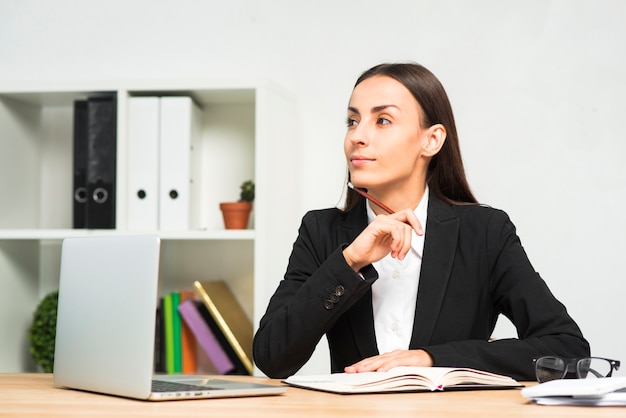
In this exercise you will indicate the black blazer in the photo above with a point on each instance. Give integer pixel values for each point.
(473, 269)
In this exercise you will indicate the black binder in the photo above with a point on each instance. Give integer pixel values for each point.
(95, 138)
(80, 164)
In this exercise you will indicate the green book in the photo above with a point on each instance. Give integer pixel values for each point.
(176, 331)
(168, 333)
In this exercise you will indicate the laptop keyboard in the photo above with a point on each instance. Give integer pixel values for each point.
(163, 386)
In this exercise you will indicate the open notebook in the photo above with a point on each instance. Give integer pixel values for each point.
(405, 379)
(106, 324)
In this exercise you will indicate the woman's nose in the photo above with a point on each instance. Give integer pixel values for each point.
(358, 135)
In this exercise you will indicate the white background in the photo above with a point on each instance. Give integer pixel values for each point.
(538, 88)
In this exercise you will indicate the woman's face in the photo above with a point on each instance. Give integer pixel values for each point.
(384, 142)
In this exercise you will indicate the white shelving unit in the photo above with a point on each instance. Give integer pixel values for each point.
(248, 133)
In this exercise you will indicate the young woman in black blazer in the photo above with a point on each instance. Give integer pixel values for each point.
(425, 284)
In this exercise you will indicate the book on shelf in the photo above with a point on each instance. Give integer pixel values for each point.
(239, 368)
(230, 318)
(159, 339)
(405, 379)
(168, 334)
(175, 345)
(607, 391)
(204, 335)
(176, 333)
(187, 339)
(191, 338)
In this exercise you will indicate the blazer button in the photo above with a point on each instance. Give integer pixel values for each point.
(340, 290)
(333, 298)
(328, 304)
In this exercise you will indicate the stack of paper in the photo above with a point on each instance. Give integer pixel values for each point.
(608, 391)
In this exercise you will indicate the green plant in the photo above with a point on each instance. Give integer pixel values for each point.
(247, 191)
(42, 332)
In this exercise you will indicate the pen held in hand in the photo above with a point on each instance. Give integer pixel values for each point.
(380, 204)
(371, 198)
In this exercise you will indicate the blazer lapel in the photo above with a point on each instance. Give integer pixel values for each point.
(361, 314)
(442, 228)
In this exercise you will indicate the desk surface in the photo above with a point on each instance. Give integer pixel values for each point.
(35, 395)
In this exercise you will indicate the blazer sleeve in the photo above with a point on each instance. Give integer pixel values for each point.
(516, 290)
(318, 287)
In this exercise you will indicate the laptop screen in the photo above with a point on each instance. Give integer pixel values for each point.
(106, 314)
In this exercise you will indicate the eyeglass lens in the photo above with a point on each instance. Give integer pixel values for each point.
(593, 368)
(552, 368)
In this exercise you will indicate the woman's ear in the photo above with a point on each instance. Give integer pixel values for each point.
(434, 140)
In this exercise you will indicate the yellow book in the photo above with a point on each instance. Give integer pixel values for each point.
(230, 318)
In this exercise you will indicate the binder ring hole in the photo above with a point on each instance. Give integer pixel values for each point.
(80, 194)
(141, 194)
(100, 195)
(173, 194)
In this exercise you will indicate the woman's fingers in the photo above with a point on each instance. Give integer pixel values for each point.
(387, 234)
(386, 361)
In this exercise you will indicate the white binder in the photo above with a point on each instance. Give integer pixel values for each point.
(179, 206)
(143, 163)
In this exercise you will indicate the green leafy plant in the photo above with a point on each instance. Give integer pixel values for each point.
(247, 191)
(42, 332)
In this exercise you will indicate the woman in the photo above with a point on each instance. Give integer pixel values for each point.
(422, 286)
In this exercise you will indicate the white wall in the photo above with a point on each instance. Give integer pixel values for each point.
(538, 89)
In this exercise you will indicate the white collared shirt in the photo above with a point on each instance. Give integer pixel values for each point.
(394, 294)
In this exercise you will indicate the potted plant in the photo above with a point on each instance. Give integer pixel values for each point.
(237, 214)
(42, 332)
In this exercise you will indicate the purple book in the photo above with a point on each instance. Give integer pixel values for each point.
(205, 337)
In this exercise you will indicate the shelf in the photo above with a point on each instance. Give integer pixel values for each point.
(247, 132)
(60, 234)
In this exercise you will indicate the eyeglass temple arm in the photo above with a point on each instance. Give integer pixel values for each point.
(597, 374)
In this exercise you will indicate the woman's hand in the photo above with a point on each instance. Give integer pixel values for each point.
(387, 233)
(395, 358)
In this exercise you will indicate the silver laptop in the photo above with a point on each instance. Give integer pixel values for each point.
(106, 324)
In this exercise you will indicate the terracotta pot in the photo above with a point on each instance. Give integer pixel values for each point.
(236, 214)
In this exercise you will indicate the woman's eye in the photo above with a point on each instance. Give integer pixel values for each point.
(351, 122)
(384, 121)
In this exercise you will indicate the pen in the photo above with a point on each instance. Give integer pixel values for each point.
(371, 198)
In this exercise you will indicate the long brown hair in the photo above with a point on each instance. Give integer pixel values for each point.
(446, 174)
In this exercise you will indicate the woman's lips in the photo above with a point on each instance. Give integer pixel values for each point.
(359, 161)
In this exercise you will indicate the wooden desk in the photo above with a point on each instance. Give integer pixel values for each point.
(34, 395)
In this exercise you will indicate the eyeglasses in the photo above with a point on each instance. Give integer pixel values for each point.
(553, 368)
